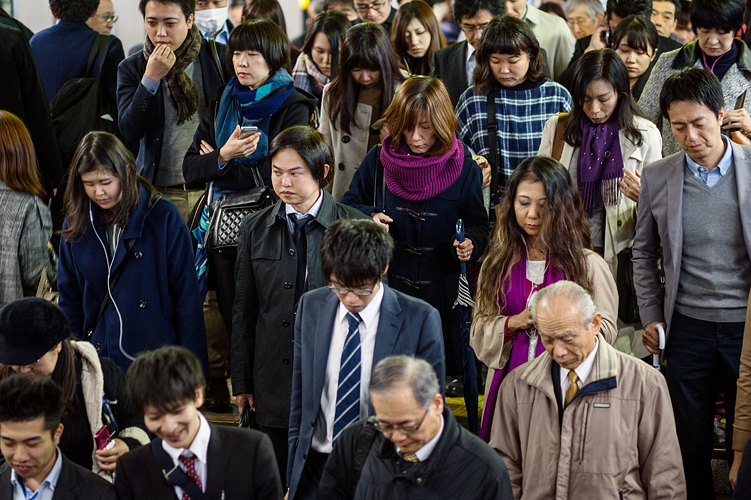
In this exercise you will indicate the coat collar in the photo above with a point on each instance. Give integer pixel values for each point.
(538, 373)
(446, 443)
(690, 53)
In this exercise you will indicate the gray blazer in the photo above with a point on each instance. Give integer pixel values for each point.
(660, 220)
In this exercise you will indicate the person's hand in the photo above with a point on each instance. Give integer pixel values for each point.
(160, 62)
(485, 166)
(631, 184)
(206, 148)
(737, 119)
(522, 321)
(597, 43)
(464, 249)
(382, 219)
(107, 459)
(245, 399)
(238, 148)
(651, 338)
(384, 131)
(733, 476)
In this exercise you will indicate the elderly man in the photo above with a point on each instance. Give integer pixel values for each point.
(584, 420)
(583, 16)
(413, 447)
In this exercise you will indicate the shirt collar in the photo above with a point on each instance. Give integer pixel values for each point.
(531, 15)
(470, 50)
(583, 370)
(427, 450)
(288, 209)
(369, 314)
(50, 480)
(725, 162)
(200, 445)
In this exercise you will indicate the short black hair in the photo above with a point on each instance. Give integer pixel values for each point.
(187, 6)
(262, 36)
(165, 378)
(624, 8)
(23, 399)
(310, 144)
(694, 84)
(356, 251)
(677, 4)
(639, 33)
(723, 15)
(76, 11)
(470, 8)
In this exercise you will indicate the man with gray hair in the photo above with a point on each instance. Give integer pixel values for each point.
(584, 420)
(413, 447)
(584, 16)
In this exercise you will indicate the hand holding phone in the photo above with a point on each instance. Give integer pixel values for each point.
(246, 130)
(103, 440)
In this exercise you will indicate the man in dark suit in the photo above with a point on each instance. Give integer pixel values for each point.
(340, 336)
(214, 461)
(455, 64)
(616, 11)
(30, 429)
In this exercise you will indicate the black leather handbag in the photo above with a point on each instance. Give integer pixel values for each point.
(229, 211)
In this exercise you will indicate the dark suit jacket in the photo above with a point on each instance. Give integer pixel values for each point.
(406, 326)
(74, 483)
(567, 77)
(241, 465)
(450, 65)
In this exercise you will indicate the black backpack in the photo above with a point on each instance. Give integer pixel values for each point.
(79, 107)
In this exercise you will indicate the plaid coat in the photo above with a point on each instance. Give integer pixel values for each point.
(520, 115)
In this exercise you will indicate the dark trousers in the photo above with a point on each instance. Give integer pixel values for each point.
(311, 475)
(280, 441)
(702, 358)
(224, 270)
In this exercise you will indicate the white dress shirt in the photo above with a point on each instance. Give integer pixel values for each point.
(199, 447)
(45, 491)
(471, 64)
(582, 371)
(323, 434)
(427, 450)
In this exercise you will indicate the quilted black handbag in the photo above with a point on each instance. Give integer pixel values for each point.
(228, 212)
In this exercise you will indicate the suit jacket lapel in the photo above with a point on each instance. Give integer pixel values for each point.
(326, 318)
(217, 463)
(6, 487)
(389, 323)
(65, 483)
(742, 165)
(674, 188)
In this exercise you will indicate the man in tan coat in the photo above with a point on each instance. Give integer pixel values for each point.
(584, 420)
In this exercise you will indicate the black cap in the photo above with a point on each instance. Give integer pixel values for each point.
(28, 329)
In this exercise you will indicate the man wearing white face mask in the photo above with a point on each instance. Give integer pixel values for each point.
(212, 18)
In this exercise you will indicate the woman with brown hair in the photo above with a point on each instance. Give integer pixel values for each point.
(416, 36)
(127, 277)
(541, 237)
(417, 185)
(26, 223)
(353, 103)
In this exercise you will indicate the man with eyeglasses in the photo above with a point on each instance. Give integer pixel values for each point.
(413, 447)
(340, 334)
(455, 64)
(104, 18)
(376, 11)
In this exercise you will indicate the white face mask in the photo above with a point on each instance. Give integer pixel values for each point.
(211, 20)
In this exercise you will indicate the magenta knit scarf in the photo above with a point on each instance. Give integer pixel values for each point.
(417, 178)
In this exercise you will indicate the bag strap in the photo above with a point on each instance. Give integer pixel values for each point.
(100, 47)
(380, 180)
(174, 474)
(215, 57)
(558, 141)
(492, 128)
(364, 443)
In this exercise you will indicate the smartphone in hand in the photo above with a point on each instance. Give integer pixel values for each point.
(246, 130)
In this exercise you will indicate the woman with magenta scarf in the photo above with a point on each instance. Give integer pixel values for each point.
(417, 184)
(261, 94)
(541, 236)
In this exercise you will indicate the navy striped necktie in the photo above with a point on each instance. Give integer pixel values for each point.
(348, 390)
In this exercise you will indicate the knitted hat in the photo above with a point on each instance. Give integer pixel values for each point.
(28, 329)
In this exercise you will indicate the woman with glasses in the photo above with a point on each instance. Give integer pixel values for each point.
(354, 102)
(509, 71)
(319, 62)
(416, 36)
(635, 41)
(278, 259)
(34, 341)
(417, 185)
(541, 236)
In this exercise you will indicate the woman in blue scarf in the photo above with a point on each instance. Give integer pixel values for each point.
(261, 94)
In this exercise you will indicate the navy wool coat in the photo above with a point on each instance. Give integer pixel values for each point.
(155, 302)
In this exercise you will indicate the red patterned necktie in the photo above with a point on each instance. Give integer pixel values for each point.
(190, 470)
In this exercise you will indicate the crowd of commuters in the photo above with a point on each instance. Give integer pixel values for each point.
(289, 222)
